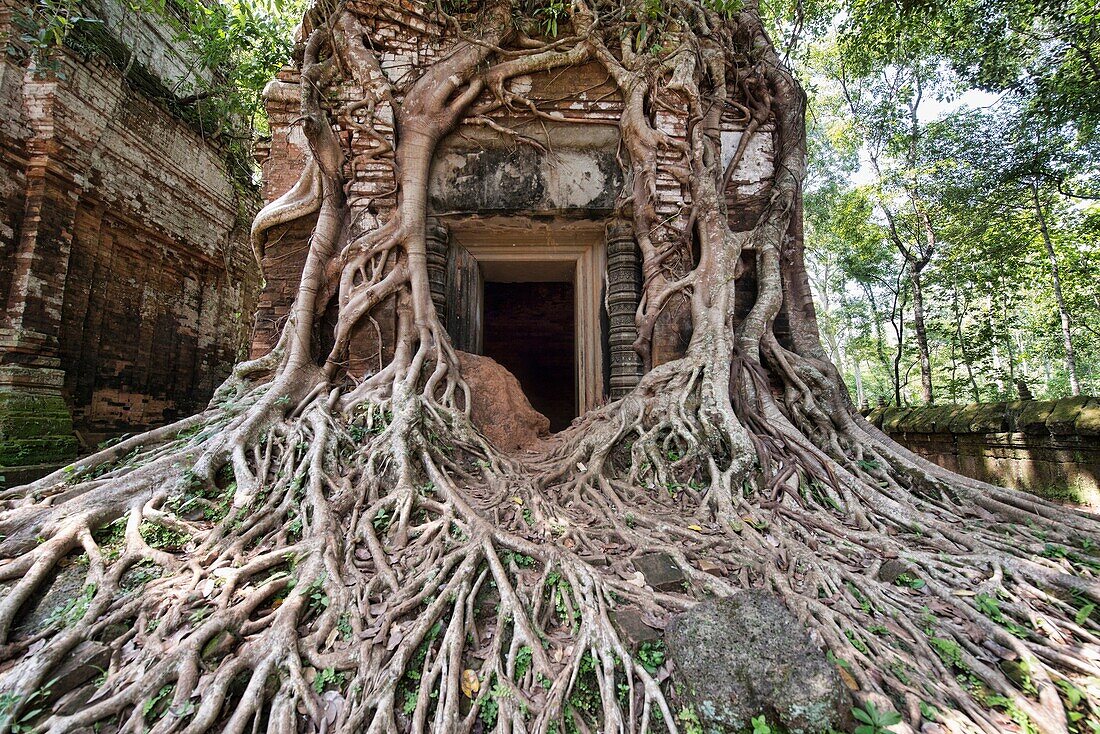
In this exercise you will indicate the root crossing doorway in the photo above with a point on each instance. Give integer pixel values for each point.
(529, 328)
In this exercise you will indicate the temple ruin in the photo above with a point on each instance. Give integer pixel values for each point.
(125, 274)
(531, 259)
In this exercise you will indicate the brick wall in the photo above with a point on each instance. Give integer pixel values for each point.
(125, 269)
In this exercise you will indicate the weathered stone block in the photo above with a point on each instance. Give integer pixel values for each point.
(963, 417)
(1033, 417)
(893, 419)
(988, 418)
(661, 572)
(35, 428)
(633, 628)
(746, 655)
(1088, 418)
(1063, 415)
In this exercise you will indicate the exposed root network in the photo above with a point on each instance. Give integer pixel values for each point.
(320, 553)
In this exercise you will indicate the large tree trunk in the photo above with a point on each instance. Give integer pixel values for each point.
(1056, 284)
(921, 333)
(319, 553)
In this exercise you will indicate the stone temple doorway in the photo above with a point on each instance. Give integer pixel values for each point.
(529, 329)
(530, 296)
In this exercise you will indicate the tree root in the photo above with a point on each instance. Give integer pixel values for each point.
(323, 552)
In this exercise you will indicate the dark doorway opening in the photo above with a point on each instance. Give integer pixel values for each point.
(529, 329)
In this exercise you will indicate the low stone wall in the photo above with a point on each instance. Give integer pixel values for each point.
(1048, 447)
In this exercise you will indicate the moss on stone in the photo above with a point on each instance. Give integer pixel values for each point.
(961, 418)
(1088, 418)
(35, 428)
(1063, 416)
(1033, 416)
(893, 419)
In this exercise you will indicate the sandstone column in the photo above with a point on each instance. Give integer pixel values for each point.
(622, 303)
(438, 242)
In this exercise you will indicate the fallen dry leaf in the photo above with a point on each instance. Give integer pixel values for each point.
(470, 683)
(848, 678)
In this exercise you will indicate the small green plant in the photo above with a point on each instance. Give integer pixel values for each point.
(949, 652)
(157, 704)
(523, 661)
(857, 643)
(690, 721)
(991, 607)
(1085, 607)
(875, 721)
(651, 655)
(551, 15)
(861, 598)
(9, 701)
(907, 579)
(381, 520)
(760, 725)
(489, 708)
(328, 678)
(73, 610)
(408, 706)
(163, 537)
(520, 559)
(318, 599)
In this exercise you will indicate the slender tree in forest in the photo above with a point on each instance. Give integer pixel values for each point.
(308, 522)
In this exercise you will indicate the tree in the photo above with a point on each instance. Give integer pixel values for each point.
(1011, 164)
(308, 522)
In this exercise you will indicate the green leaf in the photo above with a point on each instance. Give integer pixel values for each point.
(862, 715)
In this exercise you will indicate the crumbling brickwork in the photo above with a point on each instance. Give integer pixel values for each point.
(125, 269)
(485, 180)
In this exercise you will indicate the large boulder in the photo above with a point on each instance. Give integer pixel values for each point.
(746, 655)
(500, 410)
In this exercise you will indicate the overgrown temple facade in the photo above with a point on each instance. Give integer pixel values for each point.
(125, 274)
(532, 261)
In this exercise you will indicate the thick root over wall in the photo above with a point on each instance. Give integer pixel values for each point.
(322, 553)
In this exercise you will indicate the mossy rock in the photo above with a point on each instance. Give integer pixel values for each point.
(893, 419)
(1063, 416)
(964, 416)
(874, 416)
(1088, 418)
(746, 655)
(1033, 416)
(990, 418)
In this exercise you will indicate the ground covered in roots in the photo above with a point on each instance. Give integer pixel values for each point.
(389, 571)
(322, 551)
